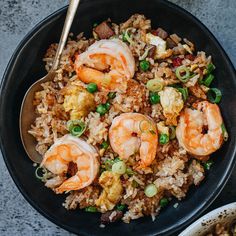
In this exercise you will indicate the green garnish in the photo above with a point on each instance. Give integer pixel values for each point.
(207, 80)
(107, 105)
(154, 98)
(126, 36)
(144, 65)
(224, 131)
(101, 109)
(119, 168)
(182, 73)
(214, 95)
(104, 145)
(92, 88)
(164, 202)
(129, 171)
(150, 190)
(207, 165)
(121, 207)
(163, 139)
(154, 85)
(91, 209)
(184, 92)
(172, 132)
(111, 95)
(210, 68)
(76, 127)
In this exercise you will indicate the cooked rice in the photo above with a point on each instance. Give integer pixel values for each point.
(174, 170)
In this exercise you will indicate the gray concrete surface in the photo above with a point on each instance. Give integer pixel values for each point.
(17, 17)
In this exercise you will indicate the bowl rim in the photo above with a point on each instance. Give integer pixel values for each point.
(47, 215)
(211, 214)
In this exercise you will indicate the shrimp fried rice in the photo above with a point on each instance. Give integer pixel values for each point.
(129, 121)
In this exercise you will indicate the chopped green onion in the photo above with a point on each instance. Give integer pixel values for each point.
(107, 105)
(76, 127)
(184, 92)
(163, 139)
(119, 167)
(182, 73)
(224, 131)
(144, 65)
(214, 95)
(164, 202)
(126, 36)
(38, 176)
(135, 184)
(91, 209)
(210, 68)
(104, 145)
(150, 190)
(154, 98)
(92, 88)
(108, 164)
(121, 207)
(172, 132)
(95, 24)
(101, 109)
(208, 80)
(129, 171)
(207, 165)
(154, 85)
(111, 95)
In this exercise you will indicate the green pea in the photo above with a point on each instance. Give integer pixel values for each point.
(92, 88)
(164, 202)
(154, 98)
(163, 139)
(107, 105)
(121, 207)
(144, 65)
(101, 109)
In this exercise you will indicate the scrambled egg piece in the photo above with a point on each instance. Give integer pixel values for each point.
(160, 44)
(112, 190)
(162, 129)
(172, 103)
(78, 101)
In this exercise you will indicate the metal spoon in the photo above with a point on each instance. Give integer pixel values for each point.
(27, 113)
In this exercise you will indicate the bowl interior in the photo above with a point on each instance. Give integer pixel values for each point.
(26, 66)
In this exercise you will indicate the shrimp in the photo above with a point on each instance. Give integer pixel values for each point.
(191, 131)
(132, 133)
(71, 149)
(108, 63)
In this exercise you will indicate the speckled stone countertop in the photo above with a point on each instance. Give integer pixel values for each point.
(17, 17)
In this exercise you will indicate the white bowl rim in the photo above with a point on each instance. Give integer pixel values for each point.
(210, 214)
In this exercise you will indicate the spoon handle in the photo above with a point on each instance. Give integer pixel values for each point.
(66, 28)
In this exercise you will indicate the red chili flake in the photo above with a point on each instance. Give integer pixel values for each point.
(190, 57)
(177, 61)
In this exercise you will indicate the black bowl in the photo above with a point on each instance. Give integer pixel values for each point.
(26, 66)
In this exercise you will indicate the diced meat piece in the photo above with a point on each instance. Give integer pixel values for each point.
(103, 30)
(177, 61)
(111, 216)
(160, 33)
(190, 57)
(152, 52)
(170, 43)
